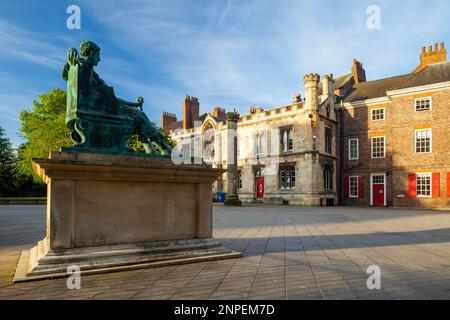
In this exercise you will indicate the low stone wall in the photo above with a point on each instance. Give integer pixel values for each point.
(22, 202)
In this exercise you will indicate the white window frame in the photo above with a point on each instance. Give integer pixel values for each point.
(424, 98)
(428, 174)
(284, 140)
(350, 149)
(431, 140)
(371, 147)
(371, 114)
(350, 187)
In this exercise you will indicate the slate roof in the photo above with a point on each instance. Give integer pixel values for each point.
(374, 89)
(434, 73)
(339, 82)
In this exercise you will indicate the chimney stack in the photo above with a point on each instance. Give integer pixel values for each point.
(167, 118)
(326, 86)
(191, 111)
(436, 55)
(358, 72)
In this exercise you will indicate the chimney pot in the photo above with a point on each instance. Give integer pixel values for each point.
(431, 56)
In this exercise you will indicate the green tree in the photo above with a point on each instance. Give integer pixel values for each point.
(44, 128)
(6, 151)
(137, 146)
(7, 158)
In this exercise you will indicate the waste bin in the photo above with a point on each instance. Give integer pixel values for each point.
(220, 197)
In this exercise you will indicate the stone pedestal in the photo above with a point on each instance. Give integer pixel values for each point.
(112, 212)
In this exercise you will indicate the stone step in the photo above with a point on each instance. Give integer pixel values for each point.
(120, 257)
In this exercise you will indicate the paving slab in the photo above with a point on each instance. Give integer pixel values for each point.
(289, 252)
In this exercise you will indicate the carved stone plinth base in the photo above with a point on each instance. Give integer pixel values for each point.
(115, 212)
(35, 264)
(232, 200)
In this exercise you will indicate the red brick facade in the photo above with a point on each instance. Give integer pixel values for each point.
(414, 170)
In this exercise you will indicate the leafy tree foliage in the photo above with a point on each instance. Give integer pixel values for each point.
(137, 146)
(44, 128)
(6, 160)
(6, 152)
(11, 182)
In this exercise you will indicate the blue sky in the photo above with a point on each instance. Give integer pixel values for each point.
(227, 53)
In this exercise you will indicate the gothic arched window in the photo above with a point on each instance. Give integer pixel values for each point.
(208, 143)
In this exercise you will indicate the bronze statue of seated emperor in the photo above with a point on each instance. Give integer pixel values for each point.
(98, 120)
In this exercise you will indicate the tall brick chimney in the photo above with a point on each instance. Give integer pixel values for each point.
(167, 118)
(358, 72)
(191, 112)
(439, 54)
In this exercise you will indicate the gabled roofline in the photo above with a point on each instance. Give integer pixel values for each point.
(367, 102)
(421, 89)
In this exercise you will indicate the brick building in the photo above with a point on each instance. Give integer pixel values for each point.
(349, 141)
(395, 137)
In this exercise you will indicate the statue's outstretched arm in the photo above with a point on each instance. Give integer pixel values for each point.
(137, 104)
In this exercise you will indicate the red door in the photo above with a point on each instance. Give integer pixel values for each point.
(260, 187)
(378, 194)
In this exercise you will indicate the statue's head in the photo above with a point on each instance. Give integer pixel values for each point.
(90, 52)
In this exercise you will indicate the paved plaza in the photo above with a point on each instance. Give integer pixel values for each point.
(290, 252)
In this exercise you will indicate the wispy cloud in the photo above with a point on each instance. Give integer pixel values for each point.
(236, 52)
(18, 43)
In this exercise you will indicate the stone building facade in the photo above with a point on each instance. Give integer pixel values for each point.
(349, 141)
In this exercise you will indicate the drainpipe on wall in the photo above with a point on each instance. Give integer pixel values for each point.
(341, 155)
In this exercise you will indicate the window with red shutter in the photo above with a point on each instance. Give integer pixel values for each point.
(412, 185)
(347, 187)
(435, 178)
(448, 184)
